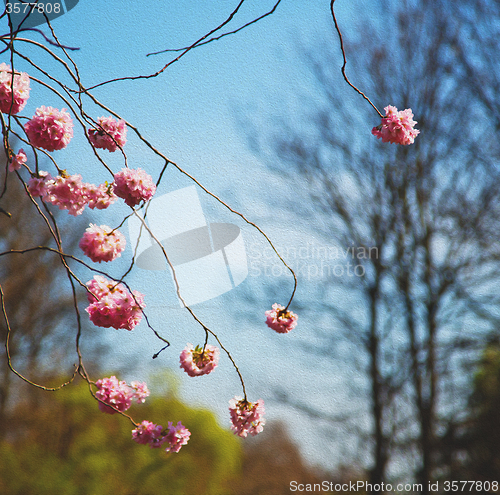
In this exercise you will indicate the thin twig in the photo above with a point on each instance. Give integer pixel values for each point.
(216, 38)
(188, 49)
(345, 62)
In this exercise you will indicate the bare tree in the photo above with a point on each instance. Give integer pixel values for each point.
(425, 304)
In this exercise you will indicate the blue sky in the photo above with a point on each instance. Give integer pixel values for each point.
(188, 113)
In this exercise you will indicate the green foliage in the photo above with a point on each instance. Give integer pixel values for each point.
(484, 434)
(487, 380)
(60, 443)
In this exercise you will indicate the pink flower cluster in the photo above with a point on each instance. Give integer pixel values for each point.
(50, 128)
(21, 90)
(67, 192)
(141, 391)
(134, 186)
(100, 196)
(246, 417)
(102, 243)
(281, 320)
(196, 362)
(70, 193)
(17, 161)
(37, 186)
(177, 436)
(109, 134)
(115, 306)
(397, 127)
(148, 433)
(118, 394)
(111, 304)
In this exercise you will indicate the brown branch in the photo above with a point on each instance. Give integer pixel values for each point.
(216, 38)
(345, 62)
(189, 48)
(9, 358)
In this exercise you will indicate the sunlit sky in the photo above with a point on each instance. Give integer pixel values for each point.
(189, 114)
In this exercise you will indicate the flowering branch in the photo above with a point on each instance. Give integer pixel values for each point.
(111, 302)
(396, 127)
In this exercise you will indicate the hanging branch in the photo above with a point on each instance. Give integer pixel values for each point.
(74, 96)
(345, 62)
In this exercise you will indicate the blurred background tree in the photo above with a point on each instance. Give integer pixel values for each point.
(271, 462)
(417, 320)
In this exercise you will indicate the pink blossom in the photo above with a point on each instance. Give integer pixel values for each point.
(281, 320)
(134, 186)
(109, 134)
(176, 437)
(114, 393)
(196, 362)
(100, 196)
(101, 287)
(148, 433)
(140, 391)
(37, 186)
(102, 243)
(50, 128)
(115, 306)
(397, 127)
(118, 394)
(68, 192)
(246, 417)
(21, 90)
(18, 161)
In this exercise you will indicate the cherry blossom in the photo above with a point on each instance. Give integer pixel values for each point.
(118, 394)
(109, 134)
(196, 362)
(134, 186)
(140, 391)
(21, 90)
(102, 243)
(37, 186)
(18, 161)
(113, 392)
(50, 128)
(68, 192)
(397, 127)
(281, 320)
(115, 306)
(100, 196)
(176, 437)
(148, 433)
(246, 417)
